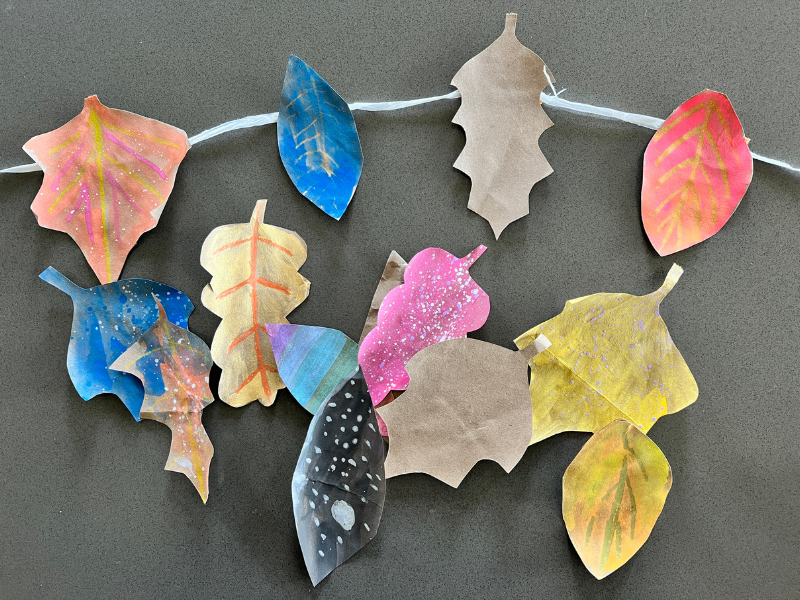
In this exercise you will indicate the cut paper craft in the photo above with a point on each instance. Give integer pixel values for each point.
(503, 119)
(173, 364)
(613, 492)
(697, 168)
(255, 281)
(317, 139)
(467, 401)
(338, 487)
(438, 301)
(107, 319)
(391, 278)
(612, 357)
(107, 175)
(313, 362)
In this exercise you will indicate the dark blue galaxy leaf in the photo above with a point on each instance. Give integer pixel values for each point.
(107, 320)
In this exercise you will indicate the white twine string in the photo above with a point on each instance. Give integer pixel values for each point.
(555, 101)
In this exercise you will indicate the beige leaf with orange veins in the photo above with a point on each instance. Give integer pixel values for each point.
(255, 282)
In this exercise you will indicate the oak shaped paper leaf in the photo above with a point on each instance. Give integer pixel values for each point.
(107, 175)
(107, 320)
(611, 357)
(480, 390)
(437, 301)
(255, 281)
(697, 168)
(173, 365)
(613, 493)
(503, 119)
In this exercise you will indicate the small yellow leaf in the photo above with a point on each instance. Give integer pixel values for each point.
(613, 493)
(611, 358)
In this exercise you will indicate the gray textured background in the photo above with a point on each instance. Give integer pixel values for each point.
(85, 508)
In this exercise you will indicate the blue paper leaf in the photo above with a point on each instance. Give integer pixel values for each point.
(313, 362)
(317, 139)
(107, 320)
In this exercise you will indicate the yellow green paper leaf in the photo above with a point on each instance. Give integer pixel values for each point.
(611, 358)
(613, 492)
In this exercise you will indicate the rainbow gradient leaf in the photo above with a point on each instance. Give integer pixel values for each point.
(173, 364)
(107, 175)
(611, 357)
(314, 362)
(255, 282)
(697, 168)
(317, 139)
(107, 319)
(437, 301)
(613, 493)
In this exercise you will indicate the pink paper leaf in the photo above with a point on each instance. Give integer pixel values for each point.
(438, 301)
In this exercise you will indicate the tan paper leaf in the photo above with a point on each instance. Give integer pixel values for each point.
(391, 278)
(255, 282)
(503, 119)
(467, 400)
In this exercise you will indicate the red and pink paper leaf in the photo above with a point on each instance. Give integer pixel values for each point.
(438, 301)
(107, 175)
(697, 168)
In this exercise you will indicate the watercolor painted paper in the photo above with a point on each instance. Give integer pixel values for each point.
(173, 365)
(107, 320)
(338, 488)
(611, 357)
(697, 168)
(503, 119)
(313, 362)
(255, 281)
(480, 391)
(107, 175)
(613, 493)
(438, 301)
(317, 139)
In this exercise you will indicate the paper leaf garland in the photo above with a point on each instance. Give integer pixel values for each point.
(313, 361)
(173, 365)
(338, 488)
(392, 276)
(317, 139)
(255, 281)
(107, 320)
(697, 168)
(438, 301)
(467, 401)
(107, 175)
(503, 119)
(613, 493)
(612, 357)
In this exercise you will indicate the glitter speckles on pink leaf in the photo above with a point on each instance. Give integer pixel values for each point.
(438, 301)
